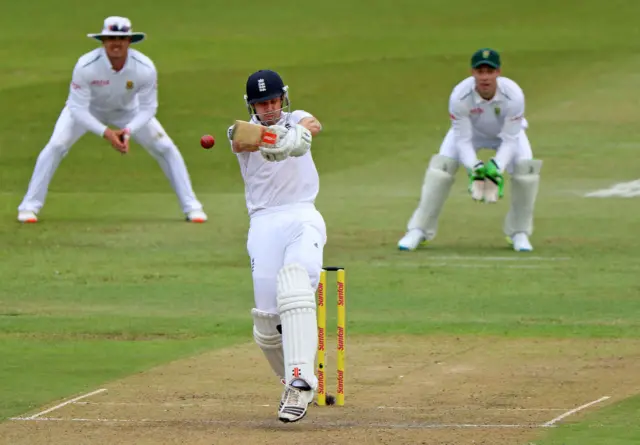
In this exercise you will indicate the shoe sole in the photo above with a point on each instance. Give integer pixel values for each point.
(285, 420)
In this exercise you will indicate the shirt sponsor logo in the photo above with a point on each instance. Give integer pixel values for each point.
(100, 83)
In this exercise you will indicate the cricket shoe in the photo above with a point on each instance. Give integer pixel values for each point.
(27, 216)
(412, 240)
(295, 400)
(196, 216)
(520, 242)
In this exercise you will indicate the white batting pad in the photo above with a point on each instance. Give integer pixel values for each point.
(525, 181)
(438, 180)
(297, 309)
(269, 339)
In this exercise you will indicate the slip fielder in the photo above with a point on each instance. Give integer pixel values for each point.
(112, 85)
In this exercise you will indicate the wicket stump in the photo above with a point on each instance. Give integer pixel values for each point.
(341, 316)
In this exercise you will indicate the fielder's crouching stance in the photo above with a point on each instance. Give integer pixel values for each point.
(114, 85)
(487, 111)
(286, 239)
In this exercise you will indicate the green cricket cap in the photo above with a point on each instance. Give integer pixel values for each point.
(485, 56)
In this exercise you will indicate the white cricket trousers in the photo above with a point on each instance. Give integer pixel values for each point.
(151, 137)
(279, 236)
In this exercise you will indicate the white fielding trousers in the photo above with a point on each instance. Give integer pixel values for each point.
(152, 137)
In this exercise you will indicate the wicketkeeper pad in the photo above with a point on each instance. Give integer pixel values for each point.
(525, 181)
(438, 180)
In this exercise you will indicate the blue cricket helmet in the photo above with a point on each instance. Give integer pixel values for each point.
(264, 85)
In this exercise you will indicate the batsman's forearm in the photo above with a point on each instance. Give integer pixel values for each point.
(87, 120)
(311, 124)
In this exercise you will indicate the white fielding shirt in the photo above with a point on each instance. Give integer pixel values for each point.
(480, 123)
(269, 185)
(98, 92)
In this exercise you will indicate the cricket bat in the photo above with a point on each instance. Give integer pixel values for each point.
(252, 134)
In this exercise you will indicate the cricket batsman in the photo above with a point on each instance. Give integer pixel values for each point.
(486, 111)
(286, 238)
(112, 85)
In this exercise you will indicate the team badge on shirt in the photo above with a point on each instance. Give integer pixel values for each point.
(129, 84)
(497, 110)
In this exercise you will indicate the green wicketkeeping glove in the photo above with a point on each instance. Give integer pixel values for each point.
(494, 187)
(476, 181)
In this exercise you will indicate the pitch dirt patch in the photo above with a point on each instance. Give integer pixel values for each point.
(413, 390)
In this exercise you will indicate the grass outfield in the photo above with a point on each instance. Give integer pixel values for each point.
(112, 282)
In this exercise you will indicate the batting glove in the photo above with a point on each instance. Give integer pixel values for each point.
(282, 147)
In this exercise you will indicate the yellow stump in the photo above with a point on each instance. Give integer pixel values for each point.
(322, 338)
(342, 326)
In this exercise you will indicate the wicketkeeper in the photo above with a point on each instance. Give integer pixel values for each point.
(486, 111)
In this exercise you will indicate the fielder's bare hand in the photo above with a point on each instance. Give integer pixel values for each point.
(115, 137)
(123, 135)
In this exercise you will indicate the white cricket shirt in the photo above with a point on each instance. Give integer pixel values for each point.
(480, 123)
(97, 92)
(267, 184)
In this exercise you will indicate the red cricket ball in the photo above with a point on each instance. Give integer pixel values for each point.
(207, 141)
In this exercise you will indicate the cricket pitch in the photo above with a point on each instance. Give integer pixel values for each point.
(411, 389)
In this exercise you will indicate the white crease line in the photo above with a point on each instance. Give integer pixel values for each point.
(573, 411)
(273, 424)
(225, 404)
(461, 266)
(519, 257)
(400, 408)
(629, 189)
(46, 411)
(176, 405)
(525, 409)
